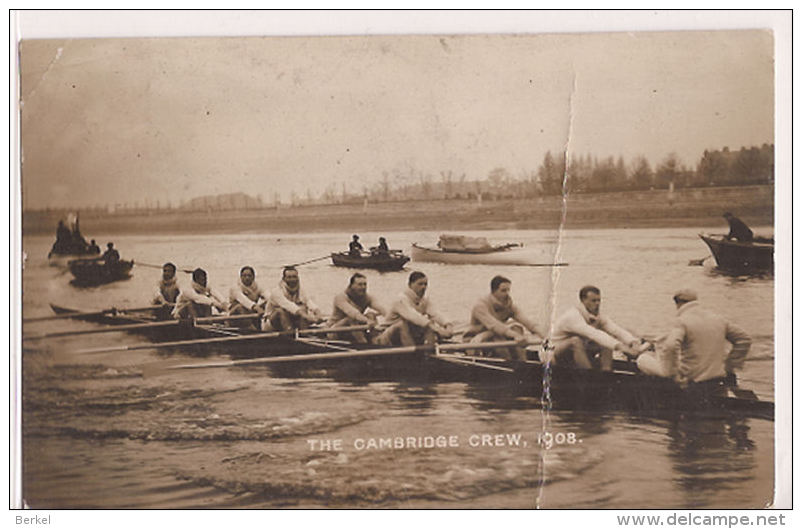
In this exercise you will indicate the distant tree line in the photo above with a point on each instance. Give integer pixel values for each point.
(586, 174)
(555, 175)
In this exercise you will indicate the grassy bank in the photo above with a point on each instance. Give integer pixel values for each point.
(689, 207)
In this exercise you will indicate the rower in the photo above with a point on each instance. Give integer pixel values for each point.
(355, 247)
(355, 306)
(289, 307)
(167, 292)
(111, 256)
(582, 333)
(247, 297)
(695, 350)
(198, 300)
(412, 319)
(495, 317)
(738, 229)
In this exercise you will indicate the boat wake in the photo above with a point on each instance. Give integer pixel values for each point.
(387, 479)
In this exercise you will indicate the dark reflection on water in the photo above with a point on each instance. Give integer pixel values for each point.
(710, 456)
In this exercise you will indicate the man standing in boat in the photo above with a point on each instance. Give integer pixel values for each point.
(247, 297)
(197, 300)
(355, 306)
(582, 333)
(167, 291)
(696, 348)
(412, 319)
(355, 247)
(495, 317)
(738, 229)
(289, 307)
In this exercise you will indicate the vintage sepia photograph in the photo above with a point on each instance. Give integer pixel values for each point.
(422, 270)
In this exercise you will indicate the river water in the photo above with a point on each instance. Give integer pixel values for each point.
(113, 431)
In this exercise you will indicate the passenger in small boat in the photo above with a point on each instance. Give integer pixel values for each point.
(412, 319)
(355, 247)
(167, 292)
(695, 350)
(382, 248)
(94, 248)
(247, 297)
(111, 256)
(355, 306)
(495, 317)
(582, 333)
(197, 300)
(289, 307)
(738, 229)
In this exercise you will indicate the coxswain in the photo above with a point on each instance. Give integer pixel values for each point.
(197, 300)
(289, 307)
(166, 292)
(412, 319)
(582, 333)
(355, 247)
(696, 348)
(247, 297)
(738, 229)
(355, 306)
(111, 256)
(495, 317)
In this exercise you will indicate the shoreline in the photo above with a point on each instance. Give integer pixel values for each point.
(645, 209)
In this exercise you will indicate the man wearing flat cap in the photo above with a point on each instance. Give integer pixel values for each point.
(701, 346)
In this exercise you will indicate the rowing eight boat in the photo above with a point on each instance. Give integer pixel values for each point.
(622, 389)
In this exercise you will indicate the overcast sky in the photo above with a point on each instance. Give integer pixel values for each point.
(112, 121)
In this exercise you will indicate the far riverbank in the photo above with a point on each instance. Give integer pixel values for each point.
(641, 209)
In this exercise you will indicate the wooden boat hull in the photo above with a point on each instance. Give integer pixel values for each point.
(623, 389)
(740, 256)
(188, 331)
(510, 257)
(388, 262)
(92, 272)
(63, 260)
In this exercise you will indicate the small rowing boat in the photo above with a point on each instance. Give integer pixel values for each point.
(391, 261)
(94, 272)
(740, 256)
(505, 257)
(461, 249)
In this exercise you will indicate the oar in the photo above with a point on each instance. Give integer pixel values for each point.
(310, 261)
(411, 349)
(223, 339)
(545, 264)
(135, 326)
(699, 262)
(139, 263)
(77, 314)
